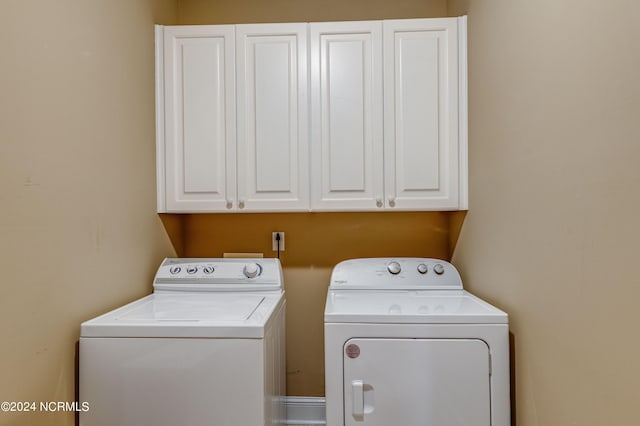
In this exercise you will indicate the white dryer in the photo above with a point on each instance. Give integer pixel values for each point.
(406, 345)
(206, 348)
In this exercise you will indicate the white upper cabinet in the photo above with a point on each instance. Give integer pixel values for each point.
(346, 108)
(272, 117)
(327, 116)
(424, 147)
(209, 158)
(408, 76)
(196, 118)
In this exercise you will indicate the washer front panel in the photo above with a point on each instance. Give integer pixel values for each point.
(154, 381)
(184, 381)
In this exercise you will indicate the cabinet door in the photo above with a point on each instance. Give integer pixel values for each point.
(199, 118)
(272, 117)
(416, 382)
(346, 111)
(421, 89)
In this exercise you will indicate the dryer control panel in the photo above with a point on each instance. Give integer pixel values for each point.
(213, 274)
(396, 273)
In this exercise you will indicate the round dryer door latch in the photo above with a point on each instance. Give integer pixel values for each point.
(352, 351)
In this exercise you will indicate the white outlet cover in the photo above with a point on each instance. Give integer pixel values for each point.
(274, 242)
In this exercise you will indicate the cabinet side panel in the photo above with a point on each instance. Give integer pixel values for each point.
(463, 116)
(160, 122)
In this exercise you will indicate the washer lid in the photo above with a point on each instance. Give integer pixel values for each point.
(410, 307)
(239, 315)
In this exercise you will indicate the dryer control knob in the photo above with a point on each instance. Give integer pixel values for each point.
(394, 268)
(252, 270)
(438, 269)
(422, 268)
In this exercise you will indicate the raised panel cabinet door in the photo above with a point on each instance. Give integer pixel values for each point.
(416, 382)
(346, 115)
(199, 118)
(273, 172)
(423, 155)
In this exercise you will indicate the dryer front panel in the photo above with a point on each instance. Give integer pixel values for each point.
(416, 382)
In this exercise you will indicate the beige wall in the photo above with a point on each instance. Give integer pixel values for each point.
(551, 236)
(250, 11)
(78, 230)
(552, 232)
(314, 244)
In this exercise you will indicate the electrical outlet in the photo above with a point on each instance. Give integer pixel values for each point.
(274, 241)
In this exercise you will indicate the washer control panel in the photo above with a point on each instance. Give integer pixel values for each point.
(396, 273)
(210, 274)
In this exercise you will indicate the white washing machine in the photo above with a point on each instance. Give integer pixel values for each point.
(406, 345)
(206, 348)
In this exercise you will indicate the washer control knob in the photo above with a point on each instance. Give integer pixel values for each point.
(208, 269)
(175, 270)
(252, 270)
(192, 270)
(422, 268)
(438, 269)
(394, 268)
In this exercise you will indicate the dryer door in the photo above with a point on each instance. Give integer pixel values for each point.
(417, 382)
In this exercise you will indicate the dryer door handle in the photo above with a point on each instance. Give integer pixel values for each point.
(357, 398)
